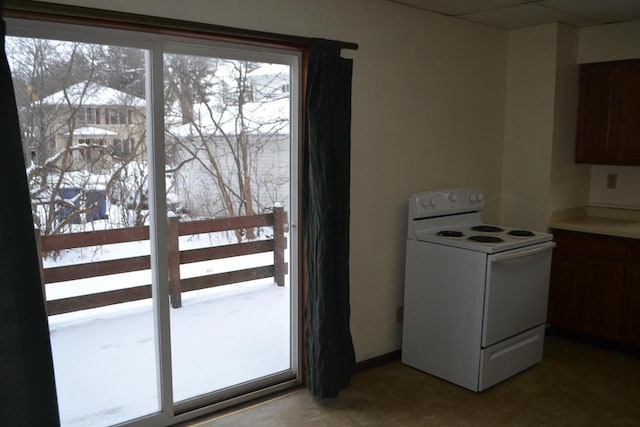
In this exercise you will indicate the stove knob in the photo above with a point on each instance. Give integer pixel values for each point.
(479, 197)
(425, 203)
(433, 201)
(473, 198)
(453, 197)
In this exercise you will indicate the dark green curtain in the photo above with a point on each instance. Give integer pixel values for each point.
(27, 387)
(326, 184)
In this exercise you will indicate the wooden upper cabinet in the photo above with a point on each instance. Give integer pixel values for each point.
(609, 113)
(598, 92)
(629, 136)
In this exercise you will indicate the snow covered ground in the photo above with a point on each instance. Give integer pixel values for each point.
(105, 361)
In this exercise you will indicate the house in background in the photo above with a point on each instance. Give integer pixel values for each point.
(270, 81)
(96, 137)
(99, 124)
(80, 141)
(219, 125)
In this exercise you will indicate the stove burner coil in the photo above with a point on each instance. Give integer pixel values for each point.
(487, 228)
(450, 233)
(485, 239)
(521, 233)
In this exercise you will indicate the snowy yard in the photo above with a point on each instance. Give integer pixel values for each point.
(105, 361)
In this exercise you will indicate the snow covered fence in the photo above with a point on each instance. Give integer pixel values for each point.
(277, 244)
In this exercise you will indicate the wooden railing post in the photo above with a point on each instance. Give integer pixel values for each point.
(38, 235)
(278, 246)
(175, 288)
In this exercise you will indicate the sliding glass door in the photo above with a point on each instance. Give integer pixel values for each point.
(163, 182)
(228, 166)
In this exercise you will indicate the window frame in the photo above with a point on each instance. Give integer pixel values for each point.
(87, 115)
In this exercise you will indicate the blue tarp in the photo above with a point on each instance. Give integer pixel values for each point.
(70, 195)
(94, 201)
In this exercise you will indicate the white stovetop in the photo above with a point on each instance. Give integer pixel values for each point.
(509, 242)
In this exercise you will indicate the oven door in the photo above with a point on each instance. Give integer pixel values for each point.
(516, 291)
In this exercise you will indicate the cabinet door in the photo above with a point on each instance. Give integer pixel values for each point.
(597, 113)
(628, 135)
(602, 289)
(631, 310)
(564, 299)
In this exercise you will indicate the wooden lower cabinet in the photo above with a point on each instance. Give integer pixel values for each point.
(631, 313)
(595, 286)
(565, 301)
(602, 290)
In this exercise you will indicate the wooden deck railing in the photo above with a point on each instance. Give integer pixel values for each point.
(177, 285)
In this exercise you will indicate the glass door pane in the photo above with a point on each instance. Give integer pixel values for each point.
(82, 113)
(228, 175)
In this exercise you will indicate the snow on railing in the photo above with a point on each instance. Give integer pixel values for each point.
(277, 244)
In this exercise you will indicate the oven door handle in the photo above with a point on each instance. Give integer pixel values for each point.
(524, 253)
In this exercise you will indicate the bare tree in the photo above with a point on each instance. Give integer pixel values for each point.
(223, 123)
(72, 159)
(225, 136)
(186, 82)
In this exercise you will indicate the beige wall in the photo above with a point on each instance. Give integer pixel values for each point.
(569, 186)
(608, 43)
(528, 129)
(625, 195)
(428, 112)
(540, 175)
(540, 123)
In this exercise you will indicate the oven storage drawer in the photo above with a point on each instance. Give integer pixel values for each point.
(505, 359)
(516, 292)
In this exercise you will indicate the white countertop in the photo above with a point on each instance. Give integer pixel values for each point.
(608, 221)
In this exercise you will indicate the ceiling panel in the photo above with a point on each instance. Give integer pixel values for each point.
(521, 13)
(604, 11)
(457, 7)
(524, 15)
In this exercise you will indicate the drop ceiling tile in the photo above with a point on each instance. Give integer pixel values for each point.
(457, 7)
(524, 15)
(602, 11)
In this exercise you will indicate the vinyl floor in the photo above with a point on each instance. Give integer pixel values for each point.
(575, 385)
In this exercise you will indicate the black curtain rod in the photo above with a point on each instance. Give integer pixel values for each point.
(108, 18)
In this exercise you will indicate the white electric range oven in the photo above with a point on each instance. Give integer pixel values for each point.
(475, 298)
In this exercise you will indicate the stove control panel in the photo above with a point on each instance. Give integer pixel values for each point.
(451, 201)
